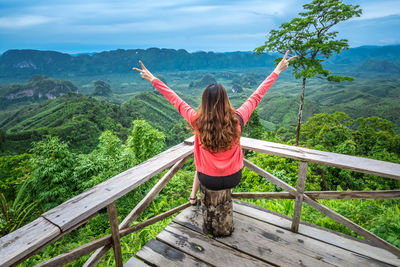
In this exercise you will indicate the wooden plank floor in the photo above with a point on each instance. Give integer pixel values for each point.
(260, 238)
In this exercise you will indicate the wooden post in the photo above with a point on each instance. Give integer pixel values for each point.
(217, 211)
(301, 182)
(328, 212)
(134, 214)
(113, 217)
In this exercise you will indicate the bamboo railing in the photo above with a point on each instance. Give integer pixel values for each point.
(28, 240)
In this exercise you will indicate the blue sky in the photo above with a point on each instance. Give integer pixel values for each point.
(97, 25)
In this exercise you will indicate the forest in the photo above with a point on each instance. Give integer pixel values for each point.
(98, 125)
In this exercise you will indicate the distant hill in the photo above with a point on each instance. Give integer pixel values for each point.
(24, 63)
(362, 53)
(375, 65)
(80, 119)
(102, 88)
(37, 88)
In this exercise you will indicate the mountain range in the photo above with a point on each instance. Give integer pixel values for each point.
(25, 63)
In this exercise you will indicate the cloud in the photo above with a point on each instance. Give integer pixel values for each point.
(19, 22)
(374, 31)
(193, 24)
(378, 9)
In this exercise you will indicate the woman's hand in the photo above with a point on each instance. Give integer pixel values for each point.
(284, 64)
(145, 73)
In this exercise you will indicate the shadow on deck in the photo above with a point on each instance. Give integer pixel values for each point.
(261, 238)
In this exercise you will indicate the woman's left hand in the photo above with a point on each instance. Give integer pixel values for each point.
(145, 73)
(284, 63)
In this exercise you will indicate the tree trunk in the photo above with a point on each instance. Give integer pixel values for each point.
(217, 211)
(300, 112)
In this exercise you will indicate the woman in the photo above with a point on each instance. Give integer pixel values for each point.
(217, 152)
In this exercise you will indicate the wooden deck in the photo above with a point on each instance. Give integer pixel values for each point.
(260, 238)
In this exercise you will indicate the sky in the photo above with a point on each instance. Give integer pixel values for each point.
(79, 26)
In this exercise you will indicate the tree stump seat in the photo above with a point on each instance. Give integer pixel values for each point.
(217, 211)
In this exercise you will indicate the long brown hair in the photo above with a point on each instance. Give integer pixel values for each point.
(216, 124)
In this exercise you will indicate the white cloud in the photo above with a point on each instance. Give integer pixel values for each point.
(378, 9)
(19, 22)
(198, 24)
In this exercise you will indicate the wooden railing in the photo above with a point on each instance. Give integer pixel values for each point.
(54, 224)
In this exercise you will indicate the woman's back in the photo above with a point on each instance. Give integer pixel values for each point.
(217, 152)
(206, 161)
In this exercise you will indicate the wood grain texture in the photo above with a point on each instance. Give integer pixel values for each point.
(145, 202)
(273, 179)
(76, 253)
(51, 241)
(328, 212)
(378, 194)
(96, 257)
(158, 253)
(318, 233)
(113, 218)
(205, 249)
(353, 226)
(217, 211)
(133, 262)
(152, 220)
(77, 208)
(189, 141)
(256, 241)
(277, 245)
(301, 183)
(25, 240)
(359, 164)
(106, 240)
(139, 208)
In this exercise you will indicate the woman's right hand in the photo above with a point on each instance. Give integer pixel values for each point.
(145, 73)
(284, 64)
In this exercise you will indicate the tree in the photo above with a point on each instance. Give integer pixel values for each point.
(108, 159)
(145, 141)
(253, 128)
(327, 130)
(311, 39)
(52, 181)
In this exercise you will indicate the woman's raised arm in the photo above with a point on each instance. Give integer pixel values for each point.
(183, 108)
(251, 103)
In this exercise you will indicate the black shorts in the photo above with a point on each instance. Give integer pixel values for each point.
(220, 182)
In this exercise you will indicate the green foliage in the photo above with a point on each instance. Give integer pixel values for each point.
(367, 137)
(145, 141)
(310, 38)
(16, 212)
(253, 127)
(179, 132)
(2, 139)
(375, 132)
(80, 120)
(14, 170)
(327, 130)
(153, 108)
(52, 179)
(37, 89)
(74, 118)
(102, 89)
(204, 81)
(108, 159)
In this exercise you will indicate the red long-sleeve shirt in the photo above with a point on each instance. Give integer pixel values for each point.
(222, 163)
